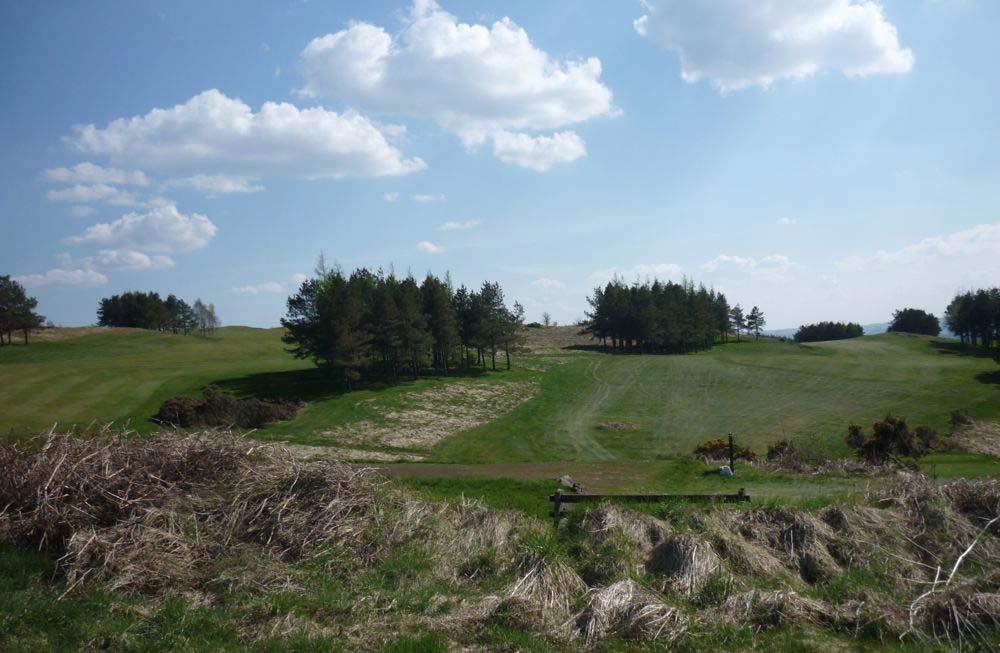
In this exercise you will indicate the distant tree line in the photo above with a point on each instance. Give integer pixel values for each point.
(664, 317)
(371, 324)
(914, 320)
(147, 310)
(17, 310)
(828, 331)
(975, 317)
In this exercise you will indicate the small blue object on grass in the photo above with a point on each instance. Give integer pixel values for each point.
(726, 471)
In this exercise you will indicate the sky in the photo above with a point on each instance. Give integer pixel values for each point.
(821, 159)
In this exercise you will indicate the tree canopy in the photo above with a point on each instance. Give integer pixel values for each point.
(657, 316)
(17, 310)
(975, 317)
(914, 320)
(375, 324)
(147, 310)
(828, 331)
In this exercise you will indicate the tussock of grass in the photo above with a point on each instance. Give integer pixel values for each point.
(250, 547)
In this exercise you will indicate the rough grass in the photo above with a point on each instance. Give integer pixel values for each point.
(763, 391)
(209, 542)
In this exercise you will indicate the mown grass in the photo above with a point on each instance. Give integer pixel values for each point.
(761, 390)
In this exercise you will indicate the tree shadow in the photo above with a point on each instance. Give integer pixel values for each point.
(957, 348)
(989, 377)
(314, 384)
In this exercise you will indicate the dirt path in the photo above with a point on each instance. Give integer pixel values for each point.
(599, 477)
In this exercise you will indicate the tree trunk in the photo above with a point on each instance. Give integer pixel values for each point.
(507, 352)
(26, 336)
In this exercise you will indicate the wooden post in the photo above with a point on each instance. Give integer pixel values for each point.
(732, 459)
(556, 512)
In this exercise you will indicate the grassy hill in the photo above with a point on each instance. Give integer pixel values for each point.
(761, 390)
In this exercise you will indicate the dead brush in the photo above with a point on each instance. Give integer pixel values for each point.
(294, 509)
(152, 554)
(53, 486)
(627, 610)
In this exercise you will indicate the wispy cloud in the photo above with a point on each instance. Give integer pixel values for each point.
(457, 226)
(428, 247)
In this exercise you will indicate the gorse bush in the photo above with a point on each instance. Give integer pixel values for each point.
(219, 408)
(718, 449)
(890, 439)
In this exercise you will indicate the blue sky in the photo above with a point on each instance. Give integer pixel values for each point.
(823, 159)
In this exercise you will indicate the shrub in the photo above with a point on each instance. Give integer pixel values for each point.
(927, 438)
(718, 449)
(219, 408)
(960, 417)
(781, 450)
(891, 438)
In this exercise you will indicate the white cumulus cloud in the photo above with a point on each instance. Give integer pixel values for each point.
(162, 229)
(786, 222)
(736, 44)
(473, 80)
(428, 247)
(391, 197)
(213, 134)
(299, 278)
(425, 197)
(538, 153)
(61, 277)
(129, 259)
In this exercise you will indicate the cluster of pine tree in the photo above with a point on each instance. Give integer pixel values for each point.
(828, 331)
(914, 320)
(372, 324)
(661, 317)
(147, 310)
(974, 316)
(17, 310)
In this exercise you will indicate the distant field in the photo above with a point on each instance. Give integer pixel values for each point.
(560, 397)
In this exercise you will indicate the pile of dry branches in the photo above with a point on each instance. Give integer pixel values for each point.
(160, 514)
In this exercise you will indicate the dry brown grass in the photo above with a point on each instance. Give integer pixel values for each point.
(211, 516)
(625, 609)
(979, 437)
(435, 414)
(686, 562)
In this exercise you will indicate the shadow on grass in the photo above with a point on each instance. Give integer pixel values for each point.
(989, 377)
(314, 384)
(957, 348)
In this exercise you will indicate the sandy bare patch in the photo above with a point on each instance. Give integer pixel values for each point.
(434, 414)
(980, 437)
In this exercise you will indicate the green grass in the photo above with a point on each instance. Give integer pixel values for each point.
(126, 375)
(763, 391)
